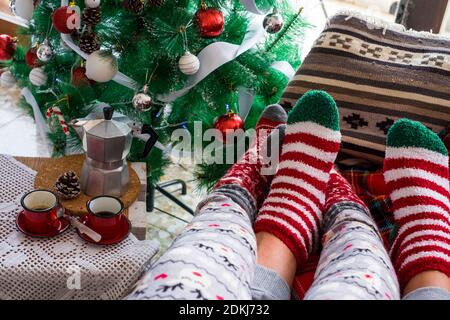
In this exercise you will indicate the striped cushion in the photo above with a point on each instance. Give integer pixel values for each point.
(376, 75)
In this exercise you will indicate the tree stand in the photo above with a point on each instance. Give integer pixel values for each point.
(161, 188)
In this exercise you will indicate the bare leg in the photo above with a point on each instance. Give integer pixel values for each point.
(273, 254)
(427, 279)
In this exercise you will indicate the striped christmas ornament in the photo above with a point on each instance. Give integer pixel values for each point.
(293, 209)
(189, 63)
(7, 80)
(38, 77)
(417, 177)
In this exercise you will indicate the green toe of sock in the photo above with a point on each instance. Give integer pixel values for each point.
(408, 133)
(316, 106)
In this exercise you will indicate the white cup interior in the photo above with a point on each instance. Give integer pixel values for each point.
(40, 200)
(108, 205)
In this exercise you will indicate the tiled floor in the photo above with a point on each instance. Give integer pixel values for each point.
(18, 136)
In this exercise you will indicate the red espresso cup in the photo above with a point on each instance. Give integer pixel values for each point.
(41, 211)
(104, 215)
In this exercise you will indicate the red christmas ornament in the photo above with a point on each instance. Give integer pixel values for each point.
(7, 46)
(79, 77)
(31, 58)
(210, 22)
(228, 123)
(65, 19)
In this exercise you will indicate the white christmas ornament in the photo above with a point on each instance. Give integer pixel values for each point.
(22, 8)
(7, 80)
(189, 63)
(92, 3)
(101, 66)
(38, 77)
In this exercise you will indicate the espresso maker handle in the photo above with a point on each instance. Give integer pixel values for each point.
(151, 141)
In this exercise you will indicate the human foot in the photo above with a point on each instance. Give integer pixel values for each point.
(293, 209)
(417, 177)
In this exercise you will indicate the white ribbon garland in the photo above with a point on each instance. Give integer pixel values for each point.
(285, 68)
(251, 6)
(14, 19)
(42, 128)
(217, 54)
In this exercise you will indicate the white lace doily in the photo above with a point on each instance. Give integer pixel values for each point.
(63, 267)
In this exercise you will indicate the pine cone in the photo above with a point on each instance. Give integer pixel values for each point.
(135, 6)
(89, 42)
(68, 185)
(92, 16)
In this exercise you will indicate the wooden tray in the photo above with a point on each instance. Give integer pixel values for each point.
(49, 169)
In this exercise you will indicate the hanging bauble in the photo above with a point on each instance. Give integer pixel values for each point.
(22, 8)
(38, 77)
(79, 78)
(92, 3)
(156, 3)
(101, 66)
(8, 46)
(189, 63)
(92, 16)
(142, 101)
(44, 52)
(228, 124)
(273, 22)
(210, 21)
(7, 80)
(134, 6)
(31, 58)
(89, 41)
(66, 19)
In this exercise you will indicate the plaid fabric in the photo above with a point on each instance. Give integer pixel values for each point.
(369, 186)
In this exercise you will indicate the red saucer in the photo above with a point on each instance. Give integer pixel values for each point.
(63, 225)
(125, 229)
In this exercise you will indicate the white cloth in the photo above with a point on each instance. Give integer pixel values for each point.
(32, 268)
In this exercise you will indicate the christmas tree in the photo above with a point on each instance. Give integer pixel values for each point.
(180, 61)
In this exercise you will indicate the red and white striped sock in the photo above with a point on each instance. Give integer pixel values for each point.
(293, 209)
(417, 177)
(247, 171)
(339, 190)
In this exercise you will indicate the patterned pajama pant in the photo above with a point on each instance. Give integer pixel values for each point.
(215, 256)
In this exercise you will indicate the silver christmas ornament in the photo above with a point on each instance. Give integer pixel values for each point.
(92, 3)
(189, 63)
(273, 22)
(142, 101)
(38, 77)
(44, 52)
